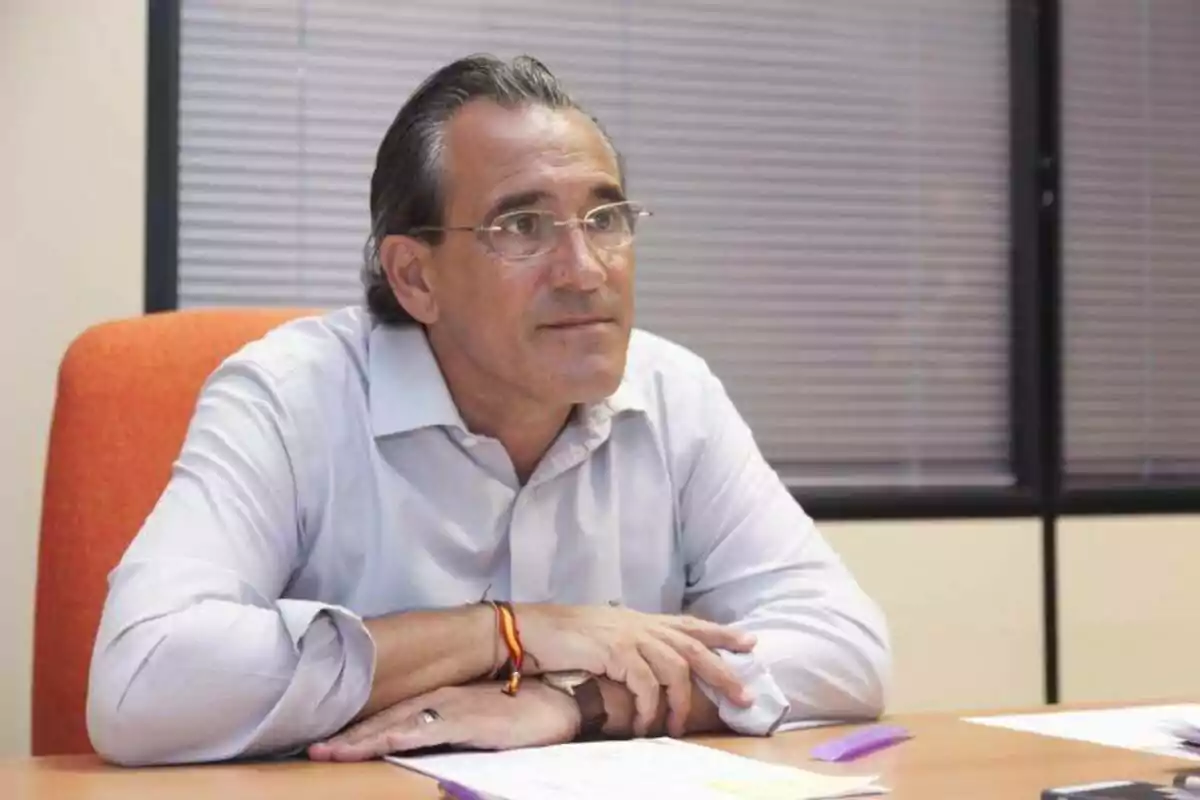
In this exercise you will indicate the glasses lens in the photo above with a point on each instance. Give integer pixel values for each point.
(522, 234)
(613, 225)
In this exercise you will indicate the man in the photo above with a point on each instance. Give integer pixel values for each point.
(361, 494)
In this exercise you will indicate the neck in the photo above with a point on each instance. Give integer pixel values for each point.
(524, 426)
(526, 431)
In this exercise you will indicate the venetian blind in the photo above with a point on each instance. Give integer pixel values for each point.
(1131, 238)
(829, 182)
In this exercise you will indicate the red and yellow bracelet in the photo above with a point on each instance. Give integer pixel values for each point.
(506, 621)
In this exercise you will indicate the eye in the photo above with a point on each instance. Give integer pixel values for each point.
(520, 223)
(604, 219)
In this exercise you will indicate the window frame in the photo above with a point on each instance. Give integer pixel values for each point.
(1035, 402)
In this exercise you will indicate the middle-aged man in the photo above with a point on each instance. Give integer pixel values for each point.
(483, 511)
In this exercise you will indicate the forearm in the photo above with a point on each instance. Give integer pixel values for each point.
(828, 666)
(218, 680)
(618, 704)
(419, 651)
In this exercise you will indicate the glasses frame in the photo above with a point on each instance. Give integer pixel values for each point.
(484, 232)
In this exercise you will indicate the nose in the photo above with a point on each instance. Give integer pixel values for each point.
(576, 264)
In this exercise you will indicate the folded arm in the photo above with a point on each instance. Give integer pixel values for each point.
(756, 561)
(198, 658)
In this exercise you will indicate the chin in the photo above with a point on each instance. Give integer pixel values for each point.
(591, 383)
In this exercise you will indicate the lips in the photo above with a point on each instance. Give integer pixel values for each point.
(580, 322)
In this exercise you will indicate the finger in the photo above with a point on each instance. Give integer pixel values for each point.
(630, 668)
(399, 715)
(320, 751)
(364, 730)
(410, 735)
(373, 725)
(674, 674)
(360, 750)
(432, 734)
(712, 635)
(708, 667)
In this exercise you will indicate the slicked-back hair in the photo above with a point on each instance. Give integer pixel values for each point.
(407, 190)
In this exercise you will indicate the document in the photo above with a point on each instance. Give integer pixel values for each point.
(620, 770)
(806, 724)
(1150, 729)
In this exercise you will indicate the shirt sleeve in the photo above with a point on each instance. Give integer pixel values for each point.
(757, 561)
(197, 657)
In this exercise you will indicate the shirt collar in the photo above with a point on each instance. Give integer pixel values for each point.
(406, 388)
(627, 397)
(408, 392)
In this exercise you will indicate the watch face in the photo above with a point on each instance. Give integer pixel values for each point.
(568, 680)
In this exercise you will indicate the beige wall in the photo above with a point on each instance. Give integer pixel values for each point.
(1128, 607)
(72, 148)
(964, 603)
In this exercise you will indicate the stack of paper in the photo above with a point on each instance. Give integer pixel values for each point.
(627, 769)
(1185, 727)
(1151, 729)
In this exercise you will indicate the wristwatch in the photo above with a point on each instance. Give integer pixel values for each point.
(585, 690)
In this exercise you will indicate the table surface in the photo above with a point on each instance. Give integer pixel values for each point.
(946, 758)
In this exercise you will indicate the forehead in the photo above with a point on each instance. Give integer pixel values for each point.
(492, 151)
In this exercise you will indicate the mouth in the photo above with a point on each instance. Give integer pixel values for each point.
(578, 323)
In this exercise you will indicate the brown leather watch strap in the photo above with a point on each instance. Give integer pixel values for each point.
(591, 709)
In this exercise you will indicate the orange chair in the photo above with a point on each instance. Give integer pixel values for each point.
(126, 391)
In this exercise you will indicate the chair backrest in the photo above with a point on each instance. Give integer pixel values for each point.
(126, 392)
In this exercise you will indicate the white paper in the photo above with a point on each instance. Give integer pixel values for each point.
(805, 724)
(620, 770)
(1185, 727)
(1144, 728)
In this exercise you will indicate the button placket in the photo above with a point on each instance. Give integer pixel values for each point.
(531, 549)
(532, 539)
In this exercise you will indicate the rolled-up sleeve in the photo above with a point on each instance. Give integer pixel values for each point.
(197, 657)
(757, 561)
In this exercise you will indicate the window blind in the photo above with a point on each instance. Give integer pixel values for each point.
(1131, 238)
(829, 182)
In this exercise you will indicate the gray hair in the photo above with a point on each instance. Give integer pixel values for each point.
(406, 187)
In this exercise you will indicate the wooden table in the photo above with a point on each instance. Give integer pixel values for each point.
(947, 758)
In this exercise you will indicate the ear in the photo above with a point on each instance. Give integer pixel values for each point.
(406, 263)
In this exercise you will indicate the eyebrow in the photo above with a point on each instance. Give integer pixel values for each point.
(608, 192)
(605, 192)
(516, 201)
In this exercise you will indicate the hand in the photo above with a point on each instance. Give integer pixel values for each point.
(474, 717)
(646, 652)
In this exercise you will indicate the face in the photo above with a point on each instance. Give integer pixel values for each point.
(554, 328)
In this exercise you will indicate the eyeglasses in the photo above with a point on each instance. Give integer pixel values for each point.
(529, 233)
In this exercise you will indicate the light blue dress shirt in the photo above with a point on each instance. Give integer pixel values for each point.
(327, 477)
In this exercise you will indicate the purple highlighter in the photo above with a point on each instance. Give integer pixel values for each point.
(860, 743)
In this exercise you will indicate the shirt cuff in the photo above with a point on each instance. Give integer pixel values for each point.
(331, 682)
(770, 704)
